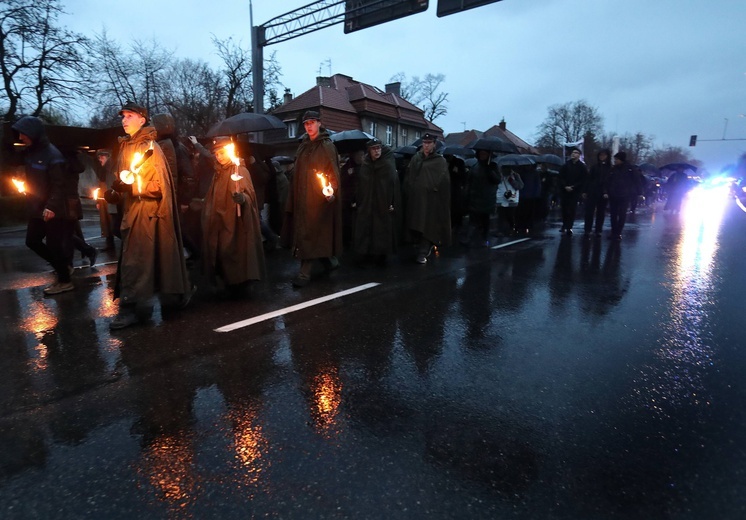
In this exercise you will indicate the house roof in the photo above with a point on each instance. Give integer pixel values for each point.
(344, 100)
(504, 133)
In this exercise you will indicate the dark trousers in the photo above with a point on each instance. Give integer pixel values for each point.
(52, 241)
(595, 209)
(569, 204)
(618, 214)
(479, 221)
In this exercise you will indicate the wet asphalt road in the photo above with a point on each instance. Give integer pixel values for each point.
(554, 378)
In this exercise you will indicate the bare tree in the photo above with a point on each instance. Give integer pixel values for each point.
(43, 65)
(667, 154)
(568, 123)
(638, 146)
(195, 96)
(424, 93)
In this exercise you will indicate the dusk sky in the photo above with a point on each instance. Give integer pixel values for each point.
(667, 68)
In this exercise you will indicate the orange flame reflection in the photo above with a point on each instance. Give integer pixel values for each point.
(327, 398)
(168, 466)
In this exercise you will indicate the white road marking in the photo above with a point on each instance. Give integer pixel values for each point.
(293, 308)
(506, 244)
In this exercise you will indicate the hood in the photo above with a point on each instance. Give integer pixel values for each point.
(32, 127)
(608, 156)
(165, 125)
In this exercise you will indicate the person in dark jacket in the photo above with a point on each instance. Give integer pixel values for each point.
(481, 188)
(622, 186)
(427, 187)
(529, 204)
(595, 193)
(572, 177)
(378, 205)
(52, 202)
(313, 215)
(152, 256)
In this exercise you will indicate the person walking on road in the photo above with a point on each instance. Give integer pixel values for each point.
(313, 215)
(595, 194)
(572, 177)
(481, 189)
(622, 187)
(152, 255)
(427, 187)
(52, 202)
(232, 249)
(378, 205)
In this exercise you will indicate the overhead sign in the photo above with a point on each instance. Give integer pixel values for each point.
(360, 14)
(446, 7)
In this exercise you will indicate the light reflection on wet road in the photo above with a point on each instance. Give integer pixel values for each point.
(557, 378)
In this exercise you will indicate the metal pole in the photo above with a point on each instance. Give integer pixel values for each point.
(257, 63)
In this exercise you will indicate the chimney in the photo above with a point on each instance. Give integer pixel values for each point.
(287, 97)
(502, 124)
(394, 88)
(323, 81)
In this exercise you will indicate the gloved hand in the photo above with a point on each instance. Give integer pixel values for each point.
(239, 198)
(112, 197)
(121, 187)
(329, 198)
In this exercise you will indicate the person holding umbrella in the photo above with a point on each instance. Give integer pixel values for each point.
(313, 215)
(427, 187)
(482, 181)
(378, 204)
(622, 186)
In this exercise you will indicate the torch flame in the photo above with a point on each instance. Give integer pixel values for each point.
(326, 187)
(230, 150)
(95, 193)
(20, 185)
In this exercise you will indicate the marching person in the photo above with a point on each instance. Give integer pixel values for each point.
(52, 202)
(482, 180)
(622, 186)
(313, 215)
(595, 194)
(427, 187)
(572, 177)
(378, 203)
(152, 255)
(232, 249)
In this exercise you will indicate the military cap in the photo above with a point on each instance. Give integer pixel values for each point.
(311, 114)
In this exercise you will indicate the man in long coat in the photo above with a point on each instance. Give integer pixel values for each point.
(572, 177)
(152, 256)
(313, 219)
(427, 187)
(231, 232)
(378, 203)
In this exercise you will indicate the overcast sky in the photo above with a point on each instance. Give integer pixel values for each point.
(667, 68)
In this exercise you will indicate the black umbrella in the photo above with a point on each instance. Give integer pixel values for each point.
(679, 167)
(647, 167)
(350, 140)
(406, 150)
(493, 144)
(549, 158)
(246, 122)
(462, 151)
(283, 159)
(515, 159)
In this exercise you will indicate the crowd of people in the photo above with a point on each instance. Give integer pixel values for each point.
(168, 200)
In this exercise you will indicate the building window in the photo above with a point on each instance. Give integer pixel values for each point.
(404, 133)
(292, 128)
(389, 134)
(417, 135)
(372, 130)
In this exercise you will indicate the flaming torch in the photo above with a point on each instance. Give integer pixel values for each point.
(326, 187)
(95, 194)
(133, 174)
(20, 186)
(230, 150)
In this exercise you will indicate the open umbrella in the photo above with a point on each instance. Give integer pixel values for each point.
(679, 167)
(515, 159)
(406, 150)
(462, 151)
(649, 168)
(549, 158)
(350, 140)
(283, 159)
(493, 144)
(246, 122)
